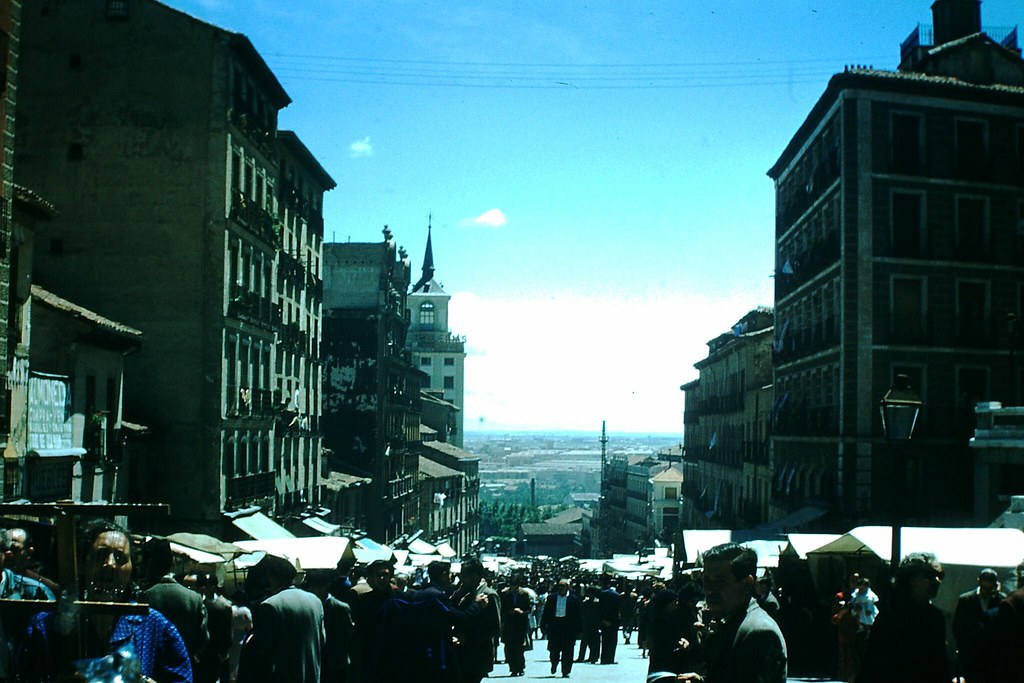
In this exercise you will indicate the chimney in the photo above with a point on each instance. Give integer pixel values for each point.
(953, 19)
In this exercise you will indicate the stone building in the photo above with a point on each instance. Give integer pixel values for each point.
(440, 354)
(998, 449)
(442, 502)
(900, 250)
(466, 525)
(10, 22)
(726, 418)
(190, 250)
(371, 412)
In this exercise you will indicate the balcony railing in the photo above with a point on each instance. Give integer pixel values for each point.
(250, 487)
(255, 219)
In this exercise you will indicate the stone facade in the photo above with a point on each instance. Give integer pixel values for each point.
(726, 422)
(190, 251)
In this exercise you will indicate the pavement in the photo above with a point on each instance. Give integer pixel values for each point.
(629, 667)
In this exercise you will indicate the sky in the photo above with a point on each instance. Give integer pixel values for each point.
(594, 171)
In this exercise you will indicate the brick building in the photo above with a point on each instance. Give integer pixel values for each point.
(900, 249)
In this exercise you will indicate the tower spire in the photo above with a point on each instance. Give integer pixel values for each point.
(428, 260)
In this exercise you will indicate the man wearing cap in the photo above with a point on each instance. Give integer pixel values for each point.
(970, 607)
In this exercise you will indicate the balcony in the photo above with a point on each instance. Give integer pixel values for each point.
(255, 219)
(248, 123)
(241, 490)
(250, 307)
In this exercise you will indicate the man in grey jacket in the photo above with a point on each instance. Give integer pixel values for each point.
(745, 644)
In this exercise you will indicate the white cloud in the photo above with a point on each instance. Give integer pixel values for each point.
(360, 148)
(494, 218)
(569, 362)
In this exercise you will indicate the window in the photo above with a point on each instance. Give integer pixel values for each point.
(425, 361)
(76, 152)
(971, 149)
(906, 224)
(671, 493)
(907, 310)
(906, 143)
(449, 382)
(427, 315)
(1020, 151)
(449, 362)
(972, 313)
(117, 9)
(971, 228)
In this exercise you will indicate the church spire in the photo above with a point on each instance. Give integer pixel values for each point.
(428, 263)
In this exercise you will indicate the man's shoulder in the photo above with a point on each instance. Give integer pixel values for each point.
(757, 619)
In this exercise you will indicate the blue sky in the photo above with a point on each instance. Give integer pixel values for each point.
(595, 169)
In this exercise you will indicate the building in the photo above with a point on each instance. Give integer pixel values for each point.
(10, 22)
(371, 410)
(900, 250)
(466, 528)
(190, 251)
(666, 503)
(726, 419)
(440, 354)
(553, 540)
(998, 448)
(442, 504)
(639, 525)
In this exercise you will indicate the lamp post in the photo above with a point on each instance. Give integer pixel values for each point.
(900, 408)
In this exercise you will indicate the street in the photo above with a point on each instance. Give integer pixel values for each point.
(630, 667)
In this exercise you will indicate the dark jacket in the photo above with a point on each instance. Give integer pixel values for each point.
(560, 629)
(748, 648)
(288, 638)
(907, 645)
(184, 608)
(477, 630)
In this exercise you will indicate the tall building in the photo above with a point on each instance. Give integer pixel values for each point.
(177, 200)
(726, 420)
(436, 351)
(10, 22)
(371, 411)
(900, 250)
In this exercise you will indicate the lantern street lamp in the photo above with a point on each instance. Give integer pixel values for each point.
(900, 408)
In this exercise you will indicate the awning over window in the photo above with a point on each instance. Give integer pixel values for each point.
(56, 452)
(261, 527)
(321, 526)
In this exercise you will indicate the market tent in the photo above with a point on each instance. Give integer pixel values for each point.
(196, 555)
(317, 552)
(366, 550)
(801, 544)
(259, 526)
(699, 541)
(967, 547)
(206, 543)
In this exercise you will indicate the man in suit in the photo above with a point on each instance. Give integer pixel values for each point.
(475, 633)
(288, 629)
(746, 645)
(338, 627)
(562, 621)
(608, 608)
(970, 607)
(183, 607)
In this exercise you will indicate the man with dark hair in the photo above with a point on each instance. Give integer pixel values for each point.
(970, 607)
(562, 622)
(608, 602)
(475, 633)
(183, 607)
(908, 639)
(746, 645)
(338, 625)
(288, 629)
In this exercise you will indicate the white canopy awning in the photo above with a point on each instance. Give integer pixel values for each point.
(968, 547)
(318, 552)
(261, 527)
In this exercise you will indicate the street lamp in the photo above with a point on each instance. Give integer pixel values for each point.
(900, 408)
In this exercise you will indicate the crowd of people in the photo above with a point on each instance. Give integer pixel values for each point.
(725, 623)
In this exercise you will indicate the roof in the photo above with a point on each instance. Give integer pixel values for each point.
(291, 141)
(908, 82)
(57, 303)
(573, 515)
(972, 547)
(34, 202)
(450, 450)
(670, 474)
(548, 530)
(435, 470)
(337, 481)
(427, 431)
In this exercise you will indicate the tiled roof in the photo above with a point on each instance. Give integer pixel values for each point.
(337, 481)
(450, 450)
(53, 301)
(436, 470)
